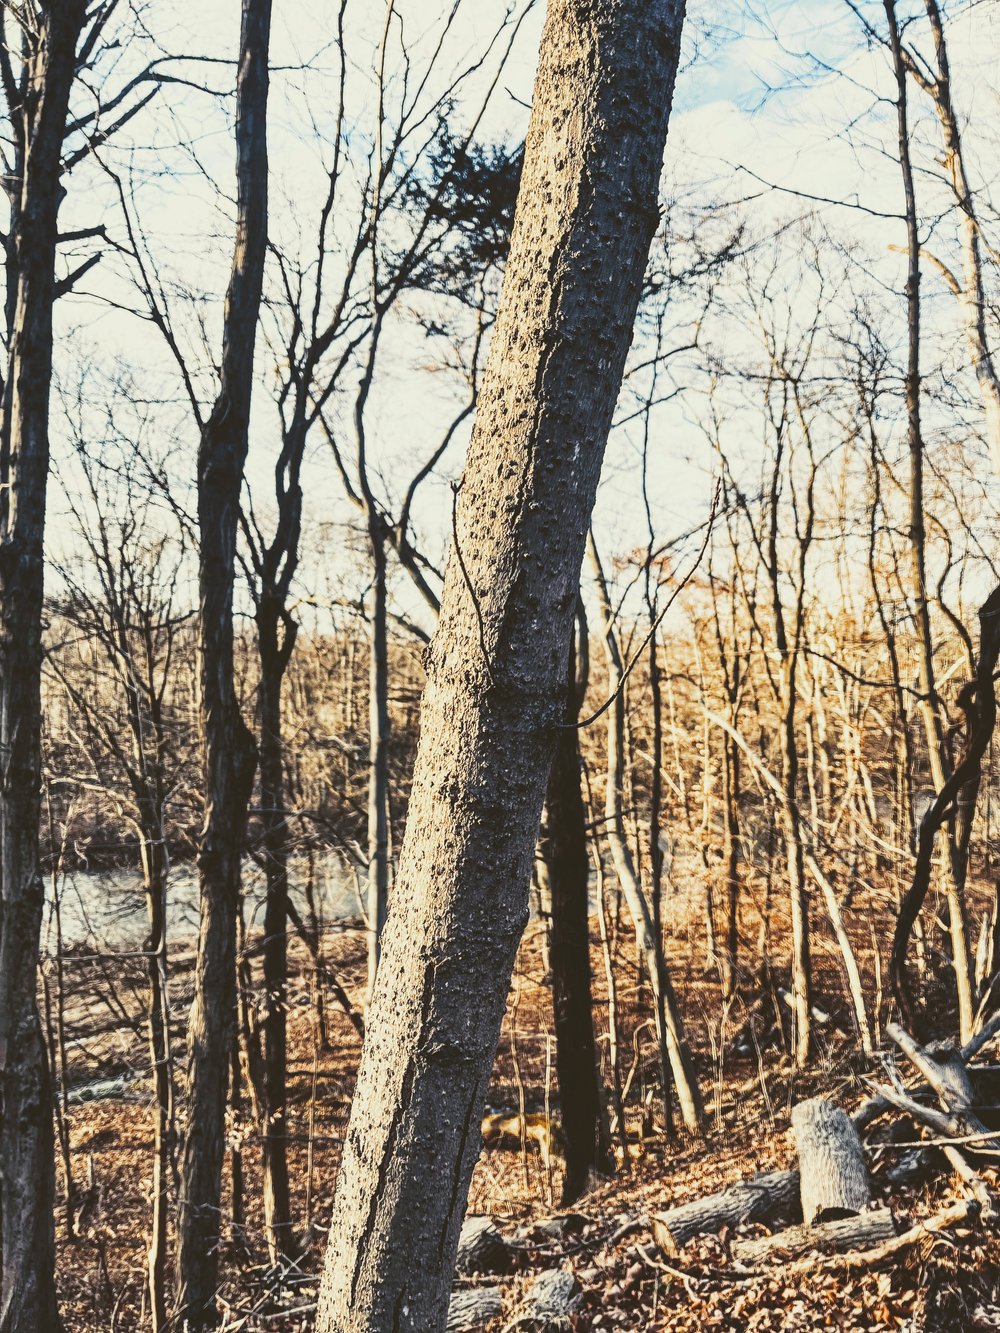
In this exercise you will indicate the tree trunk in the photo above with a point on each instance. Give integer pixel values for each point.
(674, 1058)
(496, 667)
(564, 849)
(27, 1169)
(930, 706)
(155, 872)
(230, 753)
(729, 953)
(378, 751)
(274, 657)
(857, 1232)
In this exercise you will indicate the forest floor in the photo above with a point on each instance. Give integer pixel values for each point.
(948, 1282)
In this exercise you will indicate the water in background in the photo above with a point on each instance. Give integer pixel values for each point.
(107, 908)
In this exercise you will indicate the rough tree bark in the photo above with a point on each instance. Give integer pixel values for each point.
(495, 670)
(771, 1196)
(230, 753)
(27, 1291)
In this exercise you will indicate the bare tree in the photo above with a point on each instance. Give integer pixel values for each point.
(931, 707)
(120, 603)
(496, 668)
(37, 105)
(230, 752)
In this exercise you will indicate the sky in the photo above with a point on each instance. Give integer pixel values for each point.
(776, 93)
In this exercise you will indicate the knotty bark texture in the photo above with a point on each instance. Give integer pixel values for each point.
(27, 1291)
(230, 753)
(496, 667)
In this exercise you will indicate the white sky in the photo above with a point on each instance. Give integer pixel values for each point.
(752, 106)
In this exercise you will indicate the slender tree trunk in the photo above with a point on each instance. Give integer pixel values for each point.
(564, 849)
(929, 702)
(801, 960)
(731, 776)
(277, 1201)
(674, 1057)
(495, 686)
(378, 742)
(230, 753)
(27, 1168)
(155, 873)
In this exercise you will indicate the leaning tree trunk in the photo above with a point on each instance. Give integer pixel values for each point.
(495, 672)
(564, 849)
(27, 1171)
(230, 754)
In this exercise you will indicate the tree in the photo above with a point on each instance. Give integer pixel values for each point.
(931, 707)
(121, 600)
(675, 1063)
(563, 846)
(38, 108)
(496, 668)
(230, 753)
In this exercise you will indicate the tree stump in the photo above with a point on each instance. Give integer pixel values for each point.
(834, 1180)
(549, 1302)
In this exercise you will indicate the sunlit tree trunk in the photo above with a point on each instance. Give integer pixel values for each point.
(930, 706)
(496, 668)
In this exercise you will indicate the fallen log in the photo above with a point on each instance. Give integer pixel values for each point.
(474, 1308)
(858, 1232)
(966, 1211)
(945, 1073)
(771, 1196)
(834, 1180)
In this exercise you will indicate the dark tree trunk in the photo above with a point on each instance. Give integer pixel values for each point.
(378, 747)
(564, 848)
(274, 656)
(230, 753)
(155, 872)
(496, 668)
(27, 1169)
